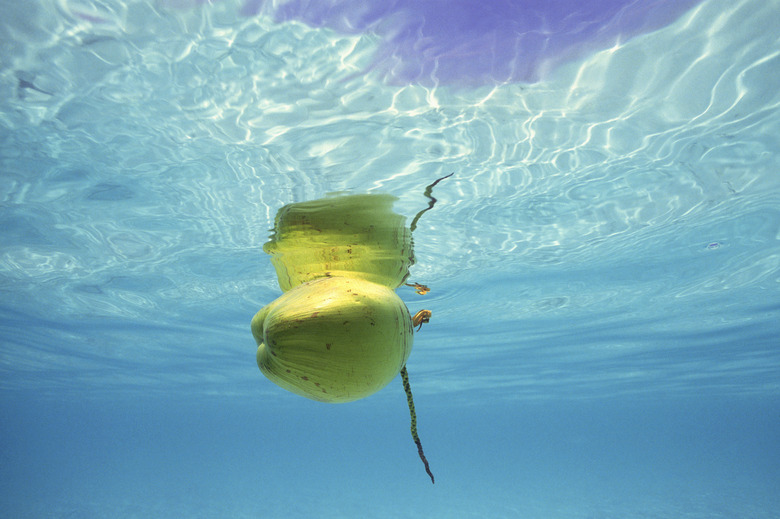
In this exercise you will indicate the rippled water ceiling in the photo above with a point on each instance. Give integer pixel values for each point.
(611, 161)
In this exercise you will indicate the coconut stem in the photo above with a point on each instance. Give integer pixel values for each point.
(415, 437)
(431, 201)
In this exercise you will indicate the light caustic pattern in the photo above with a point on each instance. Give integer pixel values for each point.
(145, 149)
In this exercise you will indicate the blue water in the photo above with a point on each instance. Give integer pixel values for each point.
(604, 263)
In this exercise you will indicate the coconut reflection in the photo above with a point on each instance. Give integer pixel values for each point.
(354, 235)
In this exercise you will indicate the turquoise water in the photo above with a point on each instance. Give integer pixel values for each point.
(604, 266)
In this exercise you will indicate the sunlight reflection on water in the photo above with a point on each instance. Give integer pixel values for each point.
(161, 142)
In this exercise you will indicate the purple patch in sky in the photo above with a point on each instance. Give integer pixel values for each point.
(473, 42)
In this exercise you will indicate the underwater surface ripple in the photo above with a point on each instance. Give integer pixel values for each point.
(144, 156)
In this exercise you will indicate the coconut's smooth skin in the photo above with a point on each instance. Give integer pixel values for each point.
(333, 339)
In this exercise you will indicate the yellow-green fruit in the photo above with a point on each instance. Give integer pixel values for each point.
(357, 236)
(333, 339)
